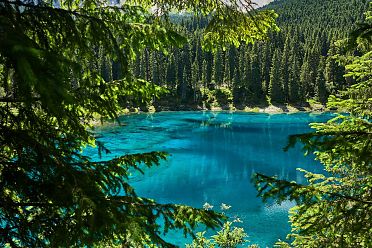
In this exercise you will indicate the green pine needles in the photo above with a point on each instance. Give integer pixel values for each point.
(54, 82)
(334, 208)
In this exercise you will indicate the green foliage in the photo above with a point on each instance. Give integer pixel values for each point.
(61, 64)
(333, 209)
(227, 237)
(231, 23)
(201, 241)
(304, 40)
(357, 99)
(231, 29)
(320, 84)
(275, 89)
(230, 237)
(221, 97)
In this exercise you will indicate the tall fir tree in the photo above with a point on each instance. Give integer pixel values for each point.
(256, 85)
(320, 85)
(305, 80)
(218, 67)
(294, 80)
(195, 79)
(275, 89)
(171, 76)
(265, 67)
(284, 69)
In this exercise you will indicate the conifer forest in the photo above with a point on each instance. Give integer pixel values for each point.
(294, 65)
(162, 123)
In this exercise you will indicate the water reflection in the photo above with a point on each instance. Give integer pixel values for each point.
(213, 157)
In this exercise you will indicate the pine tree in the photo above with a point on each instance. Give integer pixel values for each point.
(320, 86)
(302, 35)
(313, 62)
(294, 80)
(247, 76)
(162, 68)
(218, 68)
(265, 68)
(186, 58)
(232, 60)
(334, 205)
(275, 90)
(256, 85)
(284, 72)
(171, 76)
(226, 73)
(180, 65)
(334, 71)
(209, 66)
(305, 80)
(56, 83)
(237, 78)
(204, 75)
(183, 86)
(195, 78)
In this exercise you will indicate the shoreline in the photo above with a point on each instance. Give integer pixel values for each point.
(271, 109)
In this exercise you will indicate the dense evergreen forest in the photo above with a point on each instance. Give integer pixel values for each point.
(295, 64)
(51, 91)
(63, 63)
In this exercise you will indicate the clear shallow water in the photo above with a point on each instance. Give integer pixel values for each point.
(213, 156)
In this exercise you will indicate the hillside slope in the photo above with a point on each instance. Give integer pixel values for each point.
(293, 66)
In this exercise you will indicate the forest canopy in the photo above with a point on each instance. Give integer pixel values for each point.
(294, 66)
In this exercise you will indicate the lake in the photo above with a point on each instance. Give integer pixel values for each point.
(213, 157)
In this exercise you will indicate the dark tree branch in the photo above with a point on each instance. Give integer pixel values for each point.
(294, 185)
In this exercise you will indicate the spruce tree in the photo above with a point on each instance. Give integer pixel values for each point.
(226, 73)
(333, 205)
(334, 71)
(171, 77)
(54, 85)
(265, 67)
(320, 86)
(195, 78)
(256, 85)
(232, 60)
(204, 75)
(305, 80)
(209, 66)
(275, 89)
(294, 80)
(187, 58)
(218, 68)
(284, 69)
(247, 76)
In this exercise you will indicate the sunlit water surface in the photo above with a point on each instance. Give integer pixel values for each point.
(213, 157)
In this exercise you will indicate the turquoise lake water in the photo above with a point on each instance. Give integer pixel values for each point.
(213, 156)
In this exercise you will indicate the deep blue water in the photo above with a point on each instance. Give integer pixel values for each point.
(213, 156)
